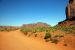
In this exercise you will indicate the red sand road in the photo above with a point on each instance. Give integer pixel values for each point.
(15, 40)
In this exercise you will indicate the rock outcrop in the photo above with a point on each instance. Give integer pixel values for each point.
(70, 14)
(39, 24)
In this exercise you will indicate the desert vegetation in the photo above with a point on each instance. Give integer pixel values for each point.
(50, 32)
(66, 29)
(8, 28)
(34, 28)
(47, 33)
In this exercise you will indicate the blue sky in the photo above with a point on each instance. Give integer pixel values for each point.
(18, 12)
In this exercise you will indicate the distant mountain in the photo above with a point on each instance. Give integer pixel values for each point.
(8, 27)
(39, 24)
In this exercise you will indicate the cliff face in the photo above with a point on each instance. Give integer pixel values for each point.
(70, 14)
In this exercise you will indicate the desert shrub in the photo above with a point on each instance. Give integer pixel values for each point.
(25, 33)
(1, 29)
(65, 44)
(8, 28)
(40, 29)
(47, 35)
(66, 29)
(33, 31)
(35, 35)
(26, 29)
(54, 28)
(47, 40)
(4, 29)
(58, 35)
(54, 40)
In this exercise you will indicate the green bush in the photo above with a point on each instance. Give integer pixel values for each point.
(47, 35)
(26, 29)
(40, 29)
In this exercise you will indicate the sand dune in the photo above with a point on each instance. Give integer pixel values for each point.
(15, 40)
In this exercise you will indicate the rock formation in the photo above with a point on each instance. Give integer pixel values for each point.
(70, 9)
(70, 14)
(39, 24)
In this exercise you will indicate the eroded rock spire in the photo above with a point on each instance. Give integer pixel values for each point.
(70, 9)
(70, 14)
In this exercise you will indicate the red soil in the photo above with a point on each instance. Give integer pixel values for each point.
(15, 40)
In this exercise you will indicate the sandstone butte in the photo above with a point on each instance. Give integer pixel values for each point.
(70, 14)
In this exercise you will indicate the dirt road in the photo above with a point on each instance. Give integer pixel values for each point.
(15, 40)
